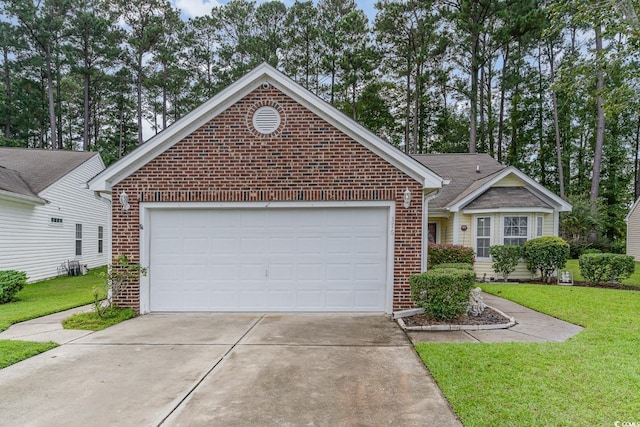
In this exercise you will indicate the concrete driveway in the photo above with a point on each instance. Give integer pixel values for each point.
(231, 370)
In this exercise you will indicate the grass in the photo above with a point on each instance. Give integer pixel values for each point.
(592, 379)
(574, 267)
(50, 296)
(39, 299)
(14, 351)
(92, 322)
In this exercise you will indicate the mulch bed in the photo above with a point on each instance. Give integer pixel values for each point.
(488, 317)
(584, 284)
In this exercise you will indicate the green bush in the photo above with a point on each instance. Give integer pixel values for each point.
(591, 251)
(599, 268)
(446, 253)
(505, 259)
(545, 254)
(453, 265)
(11, 282)
(444, 293)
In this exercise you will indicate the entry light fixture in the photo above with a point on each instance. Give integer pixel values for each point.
(124, 201)
(407, 198)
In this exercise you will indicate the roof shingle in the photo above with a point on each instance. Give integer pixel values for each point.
(37, 169)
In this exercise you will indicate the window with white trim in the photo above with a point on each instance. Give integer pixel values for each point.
(100, 239)
(539, 225)
(483, 236)
(55, 221)
(515, 230)
(78, 239)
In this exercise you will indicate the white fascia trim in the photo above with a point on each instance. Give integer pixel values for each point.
(236, 91)
(145, 236)
(266, 205)
(359, 133)
(21, 198)
(633, 207)
(508, 210)
(158, 144)
(563, 205)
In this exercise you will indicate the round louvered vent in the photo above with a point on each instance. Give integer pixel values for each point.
(266, 120)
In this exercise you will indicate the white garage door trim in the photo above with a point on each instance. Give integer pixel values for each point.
(147, 208)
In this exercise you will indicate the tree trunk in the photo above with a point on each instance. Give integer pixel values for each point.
(473, 96)
(503, 91)
(416, 109)
(52, 106)
(597, 156)
(164, 94)
(86, 113)
(408, 109)
(139, 98)
(7, 91)
(636, 170)
(556, 124)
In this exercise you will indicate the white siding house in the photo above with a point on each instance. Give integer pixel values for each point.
(48, 216)
(633, 231)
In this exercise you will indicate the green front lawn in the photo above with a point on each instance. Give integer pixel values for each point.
(39, 299)
(14, 351)
(574, 267)
(51, 296)
(592, 379)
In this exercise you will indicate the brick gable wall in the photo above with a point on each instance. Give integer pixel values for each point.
(305, 159)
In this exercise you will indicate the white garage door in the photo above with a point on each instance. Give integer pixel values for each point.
(313, 259)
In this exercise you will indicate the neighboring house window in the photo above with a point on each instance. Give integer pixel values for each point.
(100, 238)
(55, 222)
(539, 225)
(483, 236)
(433, 232)
(516, 230)
(78, 239)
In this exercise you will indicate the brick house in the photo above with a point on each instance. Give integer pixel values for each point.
(266, 198)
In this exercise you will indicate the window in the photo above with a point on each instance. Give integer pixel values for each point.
(516, 230)
(78, 239)
(539, 225)
(100, 238)
(432, 228)
(55, 222)
(483, 236)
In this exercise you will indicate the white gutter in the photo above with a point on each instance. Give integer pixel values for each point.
(20, 198)
(425, 226)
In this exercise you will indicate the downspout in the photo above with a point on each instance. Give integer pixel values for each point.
(425, 226)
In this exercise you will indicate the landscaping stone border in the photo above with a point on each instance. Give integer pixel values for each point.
(398, 317)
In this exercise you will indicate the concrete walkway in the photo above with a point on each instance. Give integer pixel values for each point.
(46, 328)
(532, 326)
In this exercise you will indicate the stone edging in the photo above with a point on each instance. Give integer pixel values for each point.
(512, 322)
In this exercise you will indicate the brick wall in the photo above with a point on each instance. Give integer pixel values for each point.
(305, 159)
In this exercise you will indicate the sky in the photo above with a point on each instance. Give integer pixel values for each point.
(193, 8)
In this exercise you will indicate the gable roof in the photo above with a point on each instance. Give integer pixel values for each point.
(507, 197)
(471, 175)
(260, 75)
(465, 172)
(25, 173)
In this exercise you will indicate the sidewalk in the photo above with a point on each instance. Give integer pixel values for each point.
(46, 328)
(531, 326)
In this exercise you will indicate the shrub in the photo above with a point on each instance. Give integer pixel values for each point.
(11, 282)
(545, 254)
(505, 259)
(118, 275)
(598, 268)
(453, 265)
(444, 293)
(446, 253)
(591, 251)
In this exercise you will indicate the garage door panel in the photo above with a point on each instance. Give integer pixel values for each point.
(268, 259)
